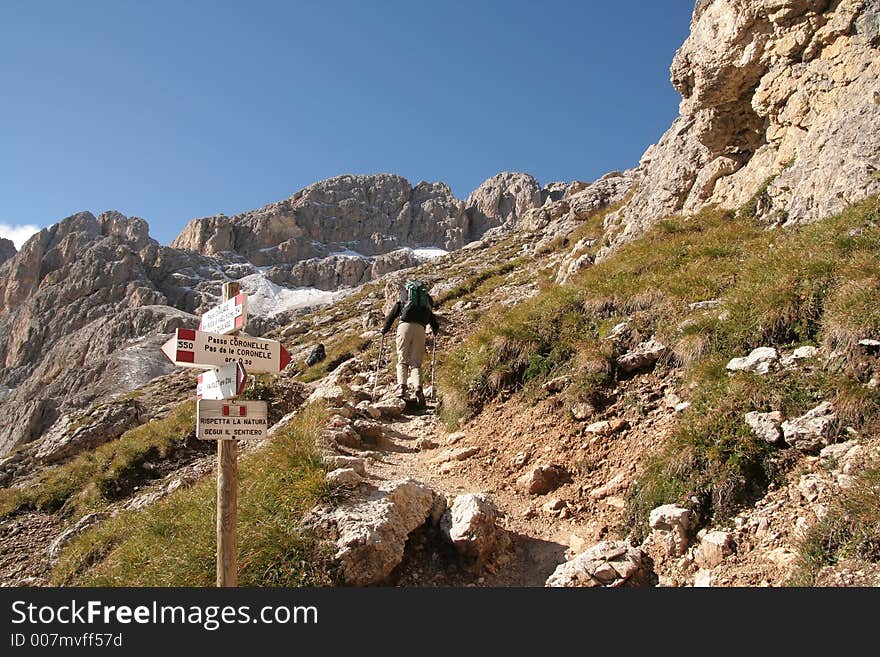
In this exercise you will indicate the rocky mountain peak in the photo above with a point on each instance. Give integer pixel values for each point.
(501, 199)
(7, 249)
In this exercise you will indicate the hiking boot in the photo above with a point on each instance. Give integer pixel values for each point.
(401, 391)
(420, 398)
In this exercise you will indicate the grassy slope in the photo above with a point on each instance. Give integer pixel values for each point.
(815, 284)
(93, 479)
(172, 542)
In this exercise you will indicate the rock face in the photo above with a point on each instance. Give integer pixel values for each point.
(83, 307)
(7, 249)
(502, 200)
(370, 534)
(609, 563)
(370, 215)
(784, 88)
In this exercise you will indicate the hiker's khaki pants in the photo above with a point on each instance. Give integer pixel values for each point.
(410, 352)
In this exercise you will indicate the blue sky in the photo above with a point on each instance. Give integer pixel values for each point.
(176, 110)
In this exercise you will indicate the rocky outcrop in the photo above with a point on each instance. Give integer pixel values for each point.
(370, 215)
(779, 104)
(502, 200)
(370, 534)
(609, 563)
(7, 249)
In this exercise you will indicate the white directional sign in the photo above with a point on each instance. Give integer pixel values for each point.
(190, 348)
(229, 316)
(224, 383)
(232, 420)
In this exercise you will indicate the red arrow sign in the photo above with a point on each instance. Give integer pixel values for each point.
(190, 348)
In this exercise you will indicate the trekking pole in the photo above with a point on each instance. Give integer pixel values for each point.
(433, 353)
(378, 363)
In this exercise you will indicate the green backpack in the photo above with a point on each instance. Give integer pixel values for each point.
(415, 295)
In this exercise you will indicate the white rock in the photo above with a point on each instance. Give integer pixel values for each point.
(370, 534)
(643, 356)
(470, 524)
(714, 547)
(765, 425)
(353, 462)
(799, 354)
(344, 477)
(609, 563)
(670, 523)
(703, 578)
(390, 408)
(758, 361)
(812, 430)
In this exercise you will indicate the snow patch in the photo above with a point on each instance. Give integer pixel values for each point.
(429, 253)
(5, 392)
(267, 299)
(348, 253)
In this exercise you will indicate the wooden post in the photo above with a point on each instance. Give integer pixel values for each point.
(227, 496)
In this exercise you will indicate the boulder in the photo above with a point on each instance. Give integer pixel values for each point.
(370, 534)
(758, 361)
(606, 427)
(541, 479)
(352, 462)
(470, 525)
(370, 432)
(715, 546)
(813, 429)
(390, 408)
(644, 356)
(670, 524)
(608, 564)
(455, 454)
(765, 426)
(344, 477)
(801, 353)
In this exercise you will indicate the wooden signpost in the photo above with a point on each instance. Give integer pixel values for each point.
(227, 357)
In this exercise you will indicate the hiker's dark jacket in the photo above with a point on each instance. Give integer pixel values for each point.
(423, 316)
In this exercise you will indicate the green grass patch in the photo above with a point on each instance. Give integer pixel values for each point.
(102, 475)
(173, 542)
(813, 284)
(849, 530)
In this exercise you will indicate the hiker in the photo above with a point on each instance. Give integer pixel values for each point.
(414, 310)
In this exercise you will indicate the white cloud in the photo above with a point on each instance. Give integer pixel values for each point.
(18, 234)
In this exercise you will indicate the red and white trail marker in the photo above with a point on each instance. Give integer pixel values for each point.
(228, 317)
(224, 383)
(231, 420)
(190, 348)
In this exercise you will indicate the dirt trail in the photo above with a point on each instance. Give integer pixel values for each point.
(536, 547)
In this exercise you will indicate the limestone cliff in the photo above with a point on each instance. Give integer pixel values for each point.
(780, 99)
